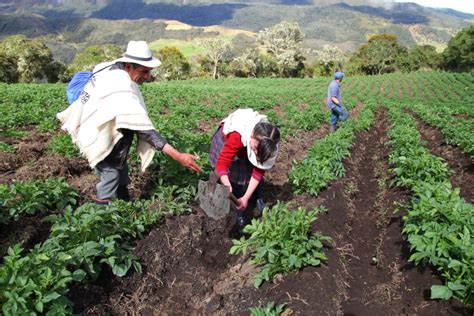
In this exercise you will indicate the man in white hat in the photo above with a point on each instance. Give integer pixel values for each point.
(109, 112)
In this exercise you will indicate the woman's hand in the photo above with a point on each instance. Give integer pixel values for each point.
(244, 202)
(225, 181)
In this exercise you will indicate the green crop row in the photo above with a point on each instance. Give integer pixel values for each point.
(324, 161)
(80, 242)
(457, 131)
(439, 223)
(281, 242)
(30, 197)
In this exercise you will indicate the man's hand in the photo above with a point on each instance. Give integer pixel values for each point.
(189, 161)
(186, 160)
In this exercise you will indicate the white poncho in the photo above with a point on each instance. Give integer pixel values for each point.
(114, 102)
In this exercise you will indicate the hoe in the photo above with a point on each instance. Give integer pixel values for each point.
(215, 198)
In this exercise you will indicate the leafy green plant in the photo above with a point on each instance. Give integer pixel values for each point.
(309, 118)
(280, 242)
(323, 164)
(14, 133)
(61, 144)
(324, 161)
(29, 197)
(6, 148)
(37, 282)
(440, 234)
(457, 132)
(438, 222)
(80, 242)
(271, 309)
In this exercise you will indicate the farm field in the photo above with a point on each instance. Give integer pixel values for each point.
(388, 200)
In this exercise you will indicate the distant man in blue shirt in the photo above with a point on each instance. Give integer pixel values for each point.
(334, 102)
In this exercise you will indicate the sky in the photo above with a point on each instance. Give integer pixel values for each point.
(466, 6)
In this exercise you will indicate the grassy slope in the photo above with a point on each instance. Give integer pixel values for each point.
(354, 24)
(190, 47)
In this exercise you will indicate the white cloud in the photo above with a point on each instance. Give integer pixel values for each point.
(459, 5)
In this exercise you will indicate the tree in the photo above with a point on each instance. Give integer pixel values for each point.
(245, 65)
(267, 65)
(8, 71)
(242, 43)
(173, 64)
(33, 59)
(283, 42)
(329, 59)
(217, 50)
(420, 57)
(91, 56)
(459, 55)
(379, 55)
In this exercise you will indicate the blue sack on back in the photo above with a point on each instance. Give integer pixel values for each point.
(77, 84)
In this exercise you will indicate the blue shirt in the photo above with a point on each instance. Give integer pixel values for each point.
(334, 90)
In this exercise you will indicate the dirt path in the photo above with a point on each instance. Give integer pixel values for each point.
(32, 161)
(460, 163)
(295, 149)
(377, 277)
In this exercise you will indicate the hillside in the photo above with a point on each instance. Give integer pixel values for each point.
(76, 24)
(190, 46)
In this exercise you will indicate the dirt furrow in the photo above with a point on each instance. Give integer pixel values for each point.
(372, 253)
(460, 163)
(188, 270)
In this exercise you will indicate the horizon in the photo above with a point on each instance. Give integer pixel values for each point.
(461, 6)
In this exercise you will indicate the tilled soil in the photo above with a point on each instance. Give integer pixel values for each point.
(461, 164)
(32, 161)
(187, 268)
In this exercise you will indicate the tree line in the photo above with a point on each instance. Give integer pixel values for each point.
(276, 52)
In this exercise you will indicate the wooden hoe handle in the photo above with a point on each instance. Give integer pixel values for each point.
(234, 199)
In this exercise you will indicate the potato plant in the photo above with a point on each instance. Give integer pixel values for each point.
(270, 309)
(324, 161)
(80, 242)
(29, 197)
(439, 223)
(281, 242)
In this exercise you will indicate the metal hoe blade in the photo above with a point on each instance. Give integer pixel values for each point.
(214, 199)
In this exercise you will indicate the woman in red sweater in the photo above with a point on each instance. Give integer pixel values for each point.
(243, 147)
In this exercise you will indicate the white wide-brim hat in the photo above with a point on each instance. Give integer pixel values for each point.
(138, 52)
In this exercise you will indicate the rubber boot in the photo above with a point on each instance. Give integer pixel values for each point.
(102, 202)
(241, 222)
(259, 205)
(332, 128)
(122, 193)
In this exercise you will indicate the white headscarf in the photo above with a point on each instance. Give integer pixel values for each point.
(243, 122)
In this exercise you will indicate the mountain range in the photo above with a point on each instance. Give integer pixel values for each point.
(68, 26)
